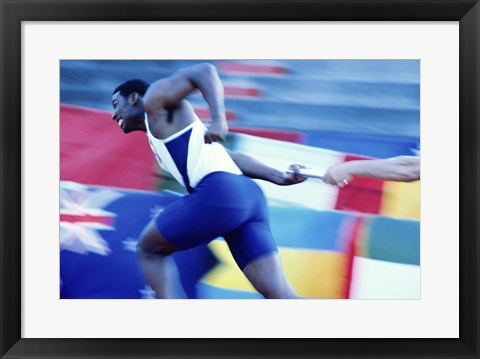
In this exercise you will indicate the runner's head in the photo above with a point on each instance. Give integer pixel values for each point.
(127, 102)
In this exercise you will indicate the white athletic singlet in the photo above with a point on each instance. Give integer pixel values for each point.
(187, 157)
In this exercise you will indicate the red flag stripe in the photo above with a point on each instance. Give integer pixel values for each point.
(353, 234)
(252, 68)
(362, 194)
(85, 218)
(89, 139)
(242, 92)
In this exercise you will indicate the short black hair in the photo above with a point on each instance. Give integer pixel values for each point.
(131, 86)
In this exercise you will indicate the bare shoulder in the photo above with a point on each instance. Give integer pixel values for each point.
(169, 91)
(152, 100)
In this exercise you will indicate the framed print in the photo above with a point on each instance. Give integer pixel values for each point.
(413, 63)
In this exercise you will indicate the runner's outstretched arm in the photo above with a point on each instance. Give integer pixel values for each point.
(253, 168)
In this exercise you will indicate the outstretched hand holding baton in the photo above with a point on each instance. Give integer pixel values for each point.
(328, 177)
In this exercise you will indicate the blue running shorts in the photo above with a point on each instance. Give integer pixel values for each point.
(222, 205)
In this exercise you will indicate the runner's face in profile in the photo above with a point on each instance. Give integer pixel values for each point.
(125, 114)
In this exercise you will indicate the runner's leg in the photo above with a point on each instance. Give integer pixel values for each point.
(254, 249)
(267, 276)
(160, 271)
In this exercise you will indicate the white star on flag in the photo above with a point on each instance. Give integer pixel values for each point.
(130, 244)
(155, 211)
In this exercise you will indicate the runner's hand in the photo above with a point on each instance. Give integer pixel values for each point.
(289, 178)
(338, 175)
(216, 132)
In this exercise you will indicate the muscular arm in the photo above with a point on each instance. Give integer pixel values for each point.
(255, 169)
(401, 169)
(170, 91)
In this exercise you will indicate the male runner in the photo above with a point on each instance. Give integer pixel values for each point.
(221, 200)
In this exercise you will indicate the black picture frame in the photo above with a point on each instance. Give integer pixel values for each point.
(467, 12)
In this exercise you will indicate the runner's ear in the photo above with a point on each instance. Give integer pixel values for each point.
(133, 98)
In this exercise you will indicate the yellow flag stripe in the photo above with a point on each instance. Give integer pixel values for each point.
(313, 274)
(401, 199)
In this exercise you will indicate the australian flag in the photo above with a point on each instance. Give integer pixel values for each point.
(99, 230)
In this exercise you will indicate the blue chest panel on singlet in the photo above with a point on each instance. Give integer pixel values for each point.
(178, 149)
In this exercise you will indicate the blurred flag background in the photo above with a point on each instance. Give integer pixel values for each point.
(361, 241)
